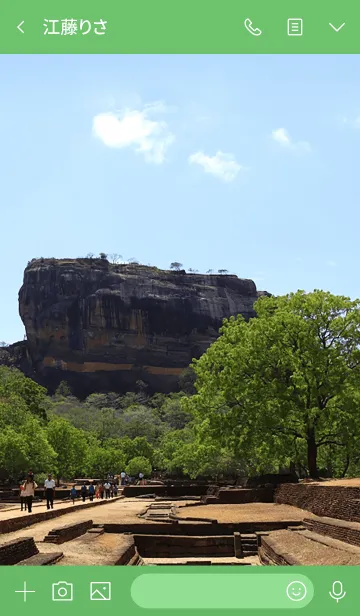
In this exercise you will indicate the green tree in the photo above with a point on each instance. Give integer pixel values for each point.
(139, 465)
(14, 384)
(176, 266)
(63, 390)
(139, 420)
(26, 448)
(70, 445)
(101, 462)
(285, 384)
(135, 448)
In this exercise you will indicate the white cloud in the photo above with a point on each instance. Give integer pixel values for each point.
(281, 136)
(222, 166)
(351, 122)
(133, 128)
(331, 263)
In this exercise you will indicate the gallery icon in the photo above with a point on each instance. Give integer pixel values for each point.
(62, 591)
(295, 26)
(100, 591)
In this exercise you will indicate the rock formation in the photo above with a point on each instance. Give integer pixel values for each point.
(103, 327)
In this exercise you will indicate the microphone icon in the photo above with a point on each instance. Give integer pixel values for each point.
(337, 591)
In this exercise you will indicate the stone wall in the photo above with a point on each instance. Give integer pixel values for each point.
(68, 532)
(270, 554)
(349, 532)
(168, 546)
(167, 490)
(240, 496)
(340, 502)
(13, 524)
(195, 529)
(13, 552)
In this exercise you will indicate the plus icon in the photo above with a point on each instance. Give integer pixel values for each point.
(25, 592)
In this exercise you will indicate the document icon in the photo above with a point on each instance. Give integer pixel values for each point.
(100, 591)
(295, 26)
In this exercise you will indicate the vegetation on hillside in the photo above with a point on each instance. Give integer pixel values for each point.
(281, 390)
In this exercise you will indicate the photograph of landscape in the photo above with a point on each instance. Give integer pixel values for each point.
(180, 315)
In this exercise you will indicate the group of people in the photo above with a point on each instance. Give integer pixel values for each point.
(100, 490)
(27, 492)
(106, 490)
(125, 480)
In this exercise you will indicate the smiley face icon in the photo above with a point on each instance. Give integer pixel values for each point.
(296, 591)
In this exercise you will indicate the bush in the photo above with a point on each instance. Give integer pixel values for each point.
(139, 465)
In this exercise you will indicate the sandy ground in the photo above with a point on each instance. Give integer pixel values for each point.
(256, 512)
(353, 483)
(310, 552)
(13, 511)
(119, 511)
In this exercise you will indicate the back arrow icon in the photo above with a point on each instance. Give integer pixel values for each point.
(337, 29)
(19, 27)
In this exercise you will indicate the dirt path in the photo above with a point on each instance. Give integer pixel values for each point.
(122, 511)
(256, 512)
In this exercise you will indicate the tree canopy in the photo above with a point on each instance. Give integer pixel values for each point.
(283, 386)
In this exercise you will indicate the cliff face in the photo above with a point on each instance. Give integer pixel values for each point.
(103, 327)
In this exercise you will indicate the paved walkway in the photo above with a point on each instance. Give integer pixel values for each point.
(14, 511)
(122, 511)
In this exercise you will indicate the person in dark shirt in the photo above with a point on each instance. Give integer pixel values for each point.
(84, 491)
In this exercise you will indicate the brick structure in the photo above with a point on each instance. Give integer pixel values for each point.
(349, 532)
(168, 546)
(13, 524)
(176, 490)
(340, 502)
(13, 552)
(69, 532)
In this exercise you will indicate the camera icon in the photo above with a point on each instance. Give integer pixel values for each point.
(62, 591)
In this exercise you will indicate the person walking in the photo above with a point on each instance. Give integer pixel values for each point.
(73, 494)
(84, 491)
(111, 490)
(122, 478)
(115, 490)
(29, 490)
(97, 491)
(107, 487)
(101, 490)
(141, 479)
(49, 487)
(91, 492)
(23, 503)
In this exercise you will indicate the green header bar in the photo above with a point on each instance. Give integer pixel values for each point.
(180, 26)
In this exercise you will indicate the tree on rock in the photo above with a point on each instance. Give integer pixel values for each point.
(176, 266)
(285, 385)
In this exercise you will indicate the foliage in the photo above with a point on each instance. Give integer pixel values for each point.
(139, 465)
(284, 385)
(15, 385)
(176, 266)
(70, 445)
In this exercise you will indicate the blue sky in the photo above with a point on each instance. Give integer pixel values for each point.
(249, 163)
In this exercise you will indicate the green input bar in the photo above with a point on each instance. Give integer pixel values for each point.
(222, 591)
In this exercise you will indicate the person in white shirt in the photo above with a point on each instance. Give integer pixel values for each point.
(29, 490)
(107, 487)
(49, 486)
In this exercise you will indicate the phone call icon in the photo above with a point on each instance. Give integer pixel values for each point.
(254, 31)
